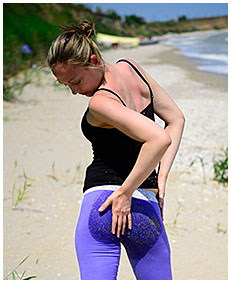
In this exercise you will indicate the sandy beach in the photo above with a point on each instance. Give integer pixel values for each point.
(44, 146)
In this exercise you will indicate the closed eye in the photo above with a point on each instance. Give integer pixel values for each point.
(77, 83)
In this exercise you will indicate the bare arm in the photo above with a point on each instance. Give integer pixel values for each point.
(155, 143)
(174, 120)
(169, 112)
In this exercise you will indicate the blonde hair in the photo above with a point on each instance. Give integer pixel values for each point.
(74, 45)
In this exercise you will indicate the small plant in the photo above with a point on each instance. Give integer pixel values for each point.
(178, 212)
(15, 275)
(219, 230)
(21, 192)
(13, 85)
(221, 169)
(175, 222)
(12, 90)
(202, 166)
(77, 175)
(203, 169)
(6, 118)
(52, 175)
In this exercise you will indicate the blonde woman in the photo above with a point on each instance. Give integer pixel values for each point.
(123, 194)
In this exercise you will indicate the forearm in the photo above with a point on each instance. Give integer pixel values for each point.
(150, 154)
(175, 131)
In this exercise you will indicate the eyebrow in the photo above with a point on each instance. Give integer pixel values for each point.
(72, 79)
(68, 81)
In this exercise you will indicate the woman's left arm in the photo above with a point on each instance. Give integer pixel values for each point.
(169, 112)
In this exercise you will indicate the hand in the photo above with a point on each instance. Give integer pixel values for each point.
(121, 211)
(161, 195)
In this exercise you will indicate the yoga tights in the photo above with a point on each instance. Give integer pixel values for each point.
(146, 244)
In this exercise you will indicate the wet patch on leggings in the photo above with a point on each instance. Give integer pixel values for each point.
(99, 223)
(145, 231)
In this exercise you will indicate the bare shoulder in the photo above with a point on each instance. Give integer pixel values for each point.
(164, 106)
(132, 62)
(103, 106)
(135, 64)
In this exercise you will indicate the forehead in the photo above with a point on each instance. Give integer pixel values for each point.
(66, 70)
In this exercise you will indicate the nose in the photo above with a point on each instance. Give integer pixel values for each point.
(74, 90)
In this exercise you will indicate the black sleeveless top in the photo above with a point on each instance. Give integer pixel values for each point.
(114, 153)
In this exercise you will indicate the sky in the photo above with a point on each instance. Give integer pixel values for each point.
(164, 11)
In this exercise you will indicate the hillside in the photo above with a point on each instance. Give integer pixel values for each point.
(35, 25)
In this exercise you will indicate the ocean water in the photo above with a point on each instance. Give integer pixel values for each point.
(209, 51)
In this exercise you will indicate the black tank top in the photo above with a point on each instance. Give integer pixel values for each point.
(114, 153)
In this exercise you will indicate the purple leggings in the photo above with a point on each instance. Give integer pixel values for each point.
(146, 244)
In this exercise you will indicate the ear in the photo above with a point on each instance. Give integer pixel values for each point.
(94, 60)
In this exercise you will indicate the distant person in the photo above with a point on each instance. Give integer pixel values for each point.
(123, 197)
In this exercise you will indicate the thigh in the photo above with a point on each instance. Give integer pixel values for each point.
(147, 244)
(98, 250)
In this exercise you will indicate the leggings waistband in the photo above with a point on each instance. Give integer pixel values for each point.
(138, 193)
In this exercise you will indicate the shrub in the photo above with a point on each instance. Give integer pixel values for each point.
(221, 168)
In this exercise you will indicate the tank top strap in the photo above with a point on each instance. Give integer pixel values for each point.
(139, 73)
(111, 91)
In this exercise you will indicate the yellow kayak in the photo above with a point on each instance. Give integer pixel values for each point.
(107, 39)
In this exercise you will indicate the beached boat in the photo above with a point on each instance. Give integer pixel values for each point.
(110, 40)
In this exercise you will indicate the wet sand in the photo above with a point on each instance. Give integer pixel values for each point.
(42, 137)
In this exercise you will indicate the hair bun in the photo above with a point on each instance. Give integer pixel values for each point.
(85, 28)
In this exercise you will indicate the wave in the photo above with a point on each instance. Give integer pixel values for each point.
(219, 69)
(209, 51)
(204, 56)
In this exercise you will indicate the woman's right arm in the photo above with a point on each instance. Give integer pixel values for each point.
(109, 110)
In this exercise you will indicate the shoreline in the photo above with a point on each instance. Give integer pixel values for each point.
(187, 34)
(170, 56)
(209, 79)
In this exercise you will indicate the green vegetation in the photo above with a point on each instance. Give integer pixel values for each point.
(53, 175)
(35, 25)
(202, 167)
(221, 168)
(220, 230)
(21, 192)
(178, 212)
(16, 276)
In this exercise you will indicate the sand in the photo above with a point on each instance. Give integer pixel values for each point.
(42, 137)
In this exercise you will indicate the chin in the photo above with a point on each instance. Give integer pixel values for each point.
(89, 94)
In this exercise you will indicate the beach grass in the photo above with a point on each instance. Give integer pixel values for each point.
(14, 274)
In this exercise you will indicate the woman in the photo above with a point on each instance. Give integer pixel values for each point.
(119, 203)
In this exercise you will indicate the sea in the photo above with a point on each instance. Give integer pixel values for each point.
(209, 51)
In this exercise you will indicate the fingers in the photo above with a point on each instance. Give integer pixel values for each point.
(160, 197)
(129, 221)
(124, 224)
(161, 205)
(119, 223)
(105, 205)
(114, 223)
(121, 212)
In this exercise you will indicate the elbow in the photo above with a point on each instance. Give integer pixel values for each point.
(165, 141)
(181, 120)
(168, 141)
(178, 122)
